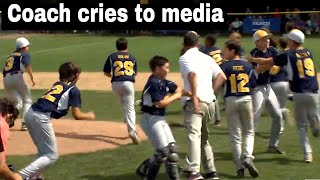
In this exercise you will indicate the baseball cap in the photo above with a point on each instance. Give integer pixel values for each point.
(190, 38)
(296, 35)
(260, 34)
(22, 42)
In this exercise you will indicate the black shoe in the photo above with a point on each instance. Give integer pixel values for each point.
(194, 176)
(217, 123)
(211, 175)
(240, 173)
(275, 150)
(248, 163)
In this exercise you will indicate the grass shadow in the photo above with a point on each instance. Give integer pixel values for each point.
(262, 135)
(97, 137)
(115, 177)
(130, 176)
(280, 160)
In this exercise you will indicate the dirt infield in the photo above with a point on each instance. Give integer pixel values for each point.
(89, 80)
(75, 137)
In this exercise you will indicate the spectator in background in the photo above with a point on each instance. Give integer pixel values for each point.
(236, 25)
(300, 24)
(288, 14)
(296, 14)
(267, 11)
(312, 24)
(277, 13)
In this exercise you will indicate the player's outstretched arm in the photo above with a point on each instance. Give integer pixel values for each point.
(79, 115)
(169, 99)
(29, 71)
(261, 61)
(262, 68)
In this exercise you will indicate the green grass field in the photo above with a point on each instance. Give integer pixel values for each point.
(49, 51)
(120, 164)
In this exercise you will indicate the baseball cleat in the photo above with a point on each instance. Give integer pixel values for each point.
(211, 175)
(217, 123)
(240, 172)
(275, 150)
(308, 158)
(23, 127)
(194, 176)
(248, 163)
(134, 137)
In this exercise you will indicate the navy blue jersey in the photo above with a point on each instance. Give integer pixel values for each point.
(154, 91)
(263, 78)
(301, 70)
(58, 99)
(214, 52)
(239, 75)
(122, 66)
(16, 62)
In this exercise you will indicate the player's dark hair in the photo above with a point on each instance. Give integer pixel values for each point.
(8, 107)
(212, 39)
(68, 71)
(122, 44)
(283, 42)
(233, 45)
(190, 39)
(157, 61)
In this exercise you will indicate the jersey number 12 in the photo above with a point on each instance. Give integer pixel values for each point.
(239, 87)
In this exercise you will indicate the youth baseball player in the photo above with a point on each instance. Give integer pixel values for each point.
(239, 107)
(280, 85)
(53, 104)
(236, 36)
(303, 84)
(198, 72)
(263, 93)
(283, 43)
(18, 63)
(155, 99)
(214, 52)
(121, 66)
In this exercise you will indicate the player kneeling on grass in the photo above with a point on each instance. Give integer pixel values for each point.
(155, 99)
(8, 114)
(53, 104)
(239, 107)
(304, 85)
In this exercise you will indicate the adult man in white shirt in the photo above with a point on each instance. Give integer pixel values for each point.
(198, 71)
(236, 25)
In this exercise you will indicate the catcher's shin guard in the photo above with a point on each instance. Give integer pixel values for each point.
(171, 164)
(142, 169)
(149, 168)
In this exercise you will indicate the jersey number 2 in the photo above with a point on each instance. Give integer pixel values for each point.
(127, 65)
(9, 64)
(57, 89)
(305, 67)
(239, 87)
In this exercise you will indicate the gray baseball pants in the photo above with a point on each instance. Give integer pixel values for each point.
(240, 122)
